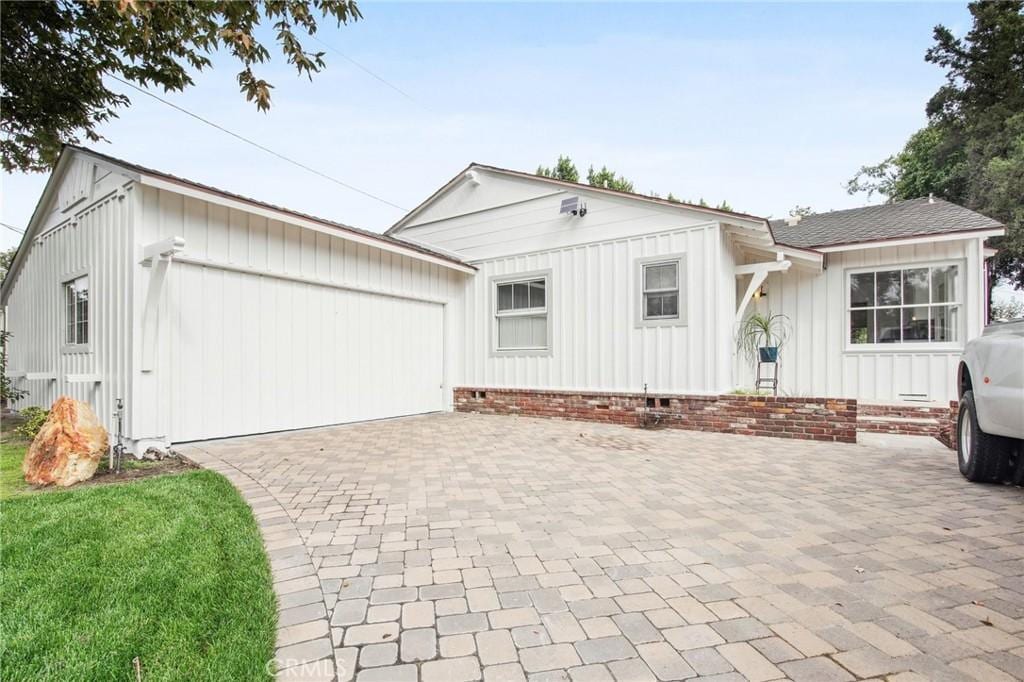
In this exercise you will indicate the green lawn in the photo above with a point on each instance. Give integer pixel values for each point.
(168, 569)
(12, 452)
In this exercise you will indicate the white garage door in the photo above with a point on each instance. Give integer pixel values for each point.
(258, 354)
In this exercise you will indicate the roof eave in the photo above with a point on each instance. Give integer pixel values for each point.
(308, 222)
(983, 232)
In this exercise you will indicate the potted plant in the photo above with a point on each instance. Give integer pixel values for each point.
(762, 336)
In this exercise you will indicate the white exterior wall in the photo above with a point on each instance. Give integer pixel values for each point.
(86, 229)
(817, 361)
(592, 309)
(270, 300)
(504, 216)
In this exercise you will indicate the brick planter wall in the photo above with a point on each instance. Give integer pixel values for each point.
(824, 419)
(911, 420)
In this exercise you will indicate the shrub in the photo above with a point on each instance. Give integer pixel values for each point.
(8, 392)
(34, 417)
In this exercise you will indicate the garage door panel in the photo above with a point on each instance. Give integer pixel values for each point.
(257, 354)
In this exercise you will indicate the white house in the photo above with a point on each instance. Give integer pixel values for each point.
(214, 315)
(881, 299)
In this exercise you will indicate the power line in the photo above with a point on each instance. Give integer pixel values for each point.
(12, 228)
(386, 82)
(258, 145)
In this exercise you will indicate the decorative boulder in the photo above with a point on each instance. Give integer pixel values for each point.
(68, 447)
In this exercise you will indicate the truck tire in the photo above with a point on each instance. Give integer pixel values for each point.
(983, 458)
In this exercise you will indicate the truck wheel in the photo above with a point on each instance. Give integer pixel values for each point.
(983, 458)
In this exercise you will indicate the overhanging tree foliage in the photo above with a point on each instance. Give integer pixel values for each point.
(54, 56)
(972, 150)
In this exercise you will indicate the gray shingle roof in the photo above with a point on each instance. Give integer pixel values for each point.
(912, 218)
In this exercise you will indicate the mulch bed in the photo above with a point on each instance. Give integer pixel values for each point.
(131, 470)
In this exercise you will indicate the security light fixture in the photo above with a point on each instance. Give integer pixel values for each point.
(574, 206)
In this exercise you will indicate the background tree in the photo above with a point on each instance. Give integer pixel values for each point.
(564, 169)
(608, 180)
(1004, 311)
(799, 211)
(6, 258)
(55, 55)
(972, 150)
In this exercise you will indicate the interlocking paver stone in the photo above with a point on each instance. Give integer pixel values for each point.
(506, 672)
(496, 646)
(374, 655)
(746, 555)
(349, 612)
(457, 625)
(465, 669)
(692, 637)
(664, 661)
(418, 645)
(605, 649)
(358, 635)
(819, 669)
(550, 657)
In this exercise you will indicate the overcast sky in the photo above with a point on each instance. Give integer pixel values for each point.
(764, 105)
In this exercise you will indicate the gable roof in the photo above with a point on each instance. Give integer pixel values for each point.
(575, 186)
(900, 220)
(175, 183)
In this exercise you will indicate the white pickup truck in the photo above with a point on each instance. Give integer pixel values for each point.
(990, 425)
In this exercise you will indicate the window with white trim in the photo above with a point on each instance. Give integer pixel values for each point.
(76, 306)
(660, 290)
(919, 304)
(521, 314)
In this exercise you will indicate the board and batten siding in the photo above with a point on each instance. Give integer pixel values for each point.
(596, 344)
(86, 230)
(817, 361)
(259, 307)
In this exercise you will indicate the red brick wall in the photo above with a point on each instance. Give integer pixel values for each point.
(913, 420)
(823, 419)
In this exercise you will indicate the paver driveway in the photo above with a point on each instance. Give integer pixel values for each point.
(461, 547)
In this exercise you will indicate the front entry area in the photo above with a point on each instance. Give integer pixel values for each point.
(256, 354)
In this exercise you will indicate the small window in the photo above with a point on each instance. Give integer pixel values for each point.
(660, 293)
(76, 302)
(914, 305)
(521, 314)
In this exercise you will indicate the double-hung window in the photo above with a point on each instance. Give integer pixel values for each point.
(660, 291)
(521, 314)
(76, 306)
(905, 305)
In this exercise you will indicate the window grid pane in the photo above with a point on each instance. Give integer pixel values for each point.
(69, 298)
(537, 293)
(504, 297)
(661, 277)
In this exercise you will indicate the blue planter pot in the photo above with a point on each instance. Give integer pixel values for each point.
(769, 353)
